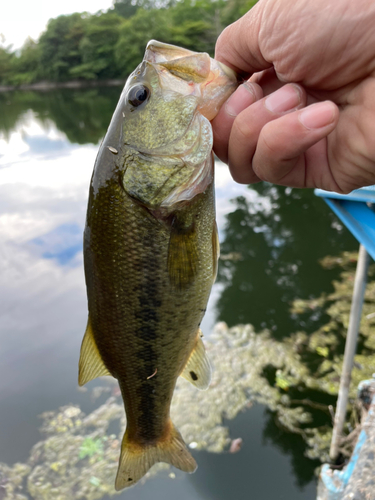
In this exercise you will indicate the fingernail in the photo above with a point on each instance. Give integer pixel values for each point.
(318, 115)
(284, 99)
(240, 99)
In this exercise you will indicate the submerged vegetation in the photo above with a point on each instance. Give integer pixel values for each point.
(297, 378)
(111, 44)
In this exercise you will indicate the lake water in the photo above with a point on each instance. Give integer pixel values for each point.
(271, 241)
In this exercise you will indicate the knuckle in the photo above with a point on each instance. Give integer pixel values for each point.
(270, 146)
(243, 129)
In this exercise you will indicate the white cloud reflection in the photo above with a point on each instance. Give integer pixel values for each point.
(43, 305)
(44, 184)
(43, 197)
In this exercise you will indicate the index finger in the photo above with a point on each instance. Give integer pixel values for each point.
(238, 45)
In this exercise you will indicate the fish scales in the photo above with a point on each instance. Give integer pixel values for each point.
(133, 308)
(151, 248)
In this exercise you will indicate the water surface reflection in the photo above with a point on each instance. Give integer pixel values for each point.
(271, 239)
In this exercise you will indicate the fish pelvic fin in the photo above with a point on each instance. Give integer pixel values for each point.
(197, 370)
(90, 363)
(137, 459)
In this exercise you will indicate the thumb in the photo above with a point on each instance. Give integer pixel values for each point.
(238, 45)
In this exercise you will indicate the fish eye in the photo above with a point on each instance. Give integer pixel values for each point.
(138, 95)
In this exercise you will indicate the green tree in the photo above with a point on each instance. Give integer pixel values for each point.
(111, 44)
(136, 32)
(127, 8)
(26, 67)
(59, 46)
(6, 65)
(97, 46)
(197, 24)
(233, 9)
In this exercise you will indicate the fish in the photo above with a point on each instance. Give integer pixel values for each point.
(151, 248)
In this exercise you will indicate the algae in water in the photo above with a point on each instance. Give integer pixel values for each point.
(296, 378)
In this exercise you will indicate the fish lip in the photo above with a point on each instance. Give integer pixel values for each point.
(163, 50)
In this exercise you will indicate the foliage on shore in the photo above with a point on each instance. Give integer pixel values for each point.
(110, 44)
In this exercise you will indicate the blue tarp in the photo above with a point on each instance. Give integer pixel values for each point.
(357, 213)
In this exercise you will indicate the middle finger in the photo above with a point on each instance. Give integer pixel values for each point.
(249, 123)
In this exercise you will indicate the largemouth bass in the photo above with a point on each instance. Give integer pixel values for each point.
(151, 248)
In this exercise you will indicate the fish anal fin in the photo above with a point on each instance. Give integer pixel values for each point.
(90, 362)
(182, 254)
(197, 369)
(136, 460)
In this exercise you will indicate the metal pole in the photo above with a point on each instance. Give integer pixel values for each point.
(350, 349)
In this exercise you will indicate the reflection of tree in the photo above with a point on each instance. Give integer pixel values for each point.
(279, 250)
(12, 106)
(82, 114)
(80, 453)
(290, 444)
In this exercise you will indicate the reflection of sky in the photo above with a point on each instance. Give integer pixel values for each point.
(43, 313)
(227, 190)
(62, 243)
(40, 144)
(32, 139)
(43, 196)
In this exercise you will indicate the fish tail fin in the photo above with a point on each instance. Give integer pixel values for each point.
(136, 459)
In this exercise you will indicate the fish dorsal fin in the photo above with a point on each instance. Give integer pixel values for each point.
(215, 250)
(182, 254)
(197, 369)
(90, 362)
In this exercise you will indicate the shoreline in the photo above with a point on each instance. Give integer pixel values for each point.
(73, 84)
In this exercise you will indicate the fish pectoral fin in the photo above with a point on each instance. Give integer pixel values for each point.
(197, 369)
(90, 363)
(137, 459)
(182, 254)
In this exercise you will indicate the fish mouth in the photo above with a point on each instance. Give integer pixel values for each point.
(159, 52)
(173, 56)
(180, 62)
(192, 73)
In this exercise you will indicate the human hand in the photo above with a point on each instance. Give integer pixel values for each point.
(306, 116)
